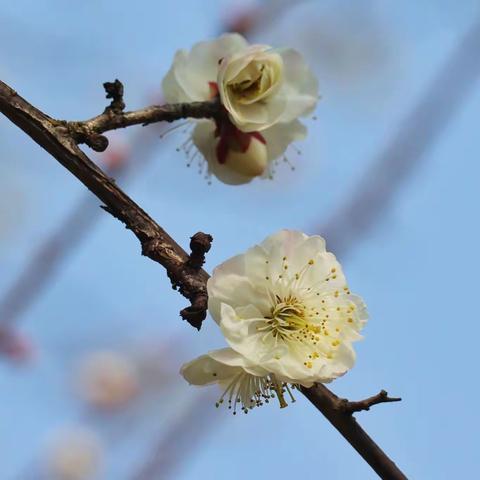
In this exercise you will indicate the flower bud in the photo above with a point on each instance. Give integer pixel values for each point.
(252, 162)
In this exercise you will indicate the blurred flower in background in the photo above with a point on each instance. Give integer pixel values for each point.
(73, 453)
(107, 379)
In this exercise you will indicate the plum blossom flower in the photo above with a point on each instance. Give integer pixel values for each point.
(287, 314)
(262, 91)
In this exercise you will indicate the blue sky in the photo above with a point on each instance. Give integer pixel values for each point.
(417, 270)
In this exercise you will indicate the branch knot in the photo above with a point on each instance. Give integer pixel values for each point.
(114, 91)
(200, 244)
(348, 407)
(196, 313)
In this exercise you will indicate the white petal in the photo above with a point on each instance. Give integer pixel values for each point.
(230, 357)
(284, 242)
(297, 250)
(281, 135)
(205, 56)
(188, 78)
(342, 362)
(239, 329)
(300, 86)
(257, 117)
(361, 312)
(320, 271)
(218, 366)
(173, 89)
(266, 260)
(237, 290)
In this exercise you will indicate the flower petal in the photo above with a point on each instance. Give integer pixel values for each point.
(281, 135)
(189, 76)
(218, 366)
(173, 89)
(238, 291)
(205, 56)
(300, 86)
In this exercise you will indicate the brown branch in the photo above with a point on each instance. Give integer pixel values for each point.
(333, 408)
(47, 258)
(184, 270)
(156, 243)
(349, 407)
(113, 117)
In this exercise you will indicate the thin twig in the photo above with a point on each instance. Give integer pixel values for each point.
(351, 407)
(113, 117)
(160, 247)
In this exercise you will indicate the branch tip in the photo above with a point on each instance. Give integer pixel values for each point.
(114, 90)
(200, 244)
(349, 407)
(197, 312)
(98, 143)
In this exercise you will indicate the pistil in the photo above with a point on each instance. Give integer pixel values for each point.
(279, 391)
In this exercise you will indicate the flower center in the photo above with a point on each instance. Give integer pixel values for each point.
(250, 83)
(288, 311)
(289, 321)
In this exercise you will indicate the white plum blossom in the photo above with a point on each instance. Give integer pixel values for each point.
(263, 92)
(286, 311)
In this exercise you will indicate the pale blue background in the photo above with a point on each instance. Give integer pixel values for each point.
(417, 269)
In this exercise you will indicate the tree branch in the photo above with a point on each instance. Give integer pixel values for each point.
(114, 117)
(156, 243)
(351, 407)
(333, 408)
(184, 270)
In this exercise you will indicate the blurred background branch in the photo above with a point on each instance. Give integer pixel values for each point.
(422, 127)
